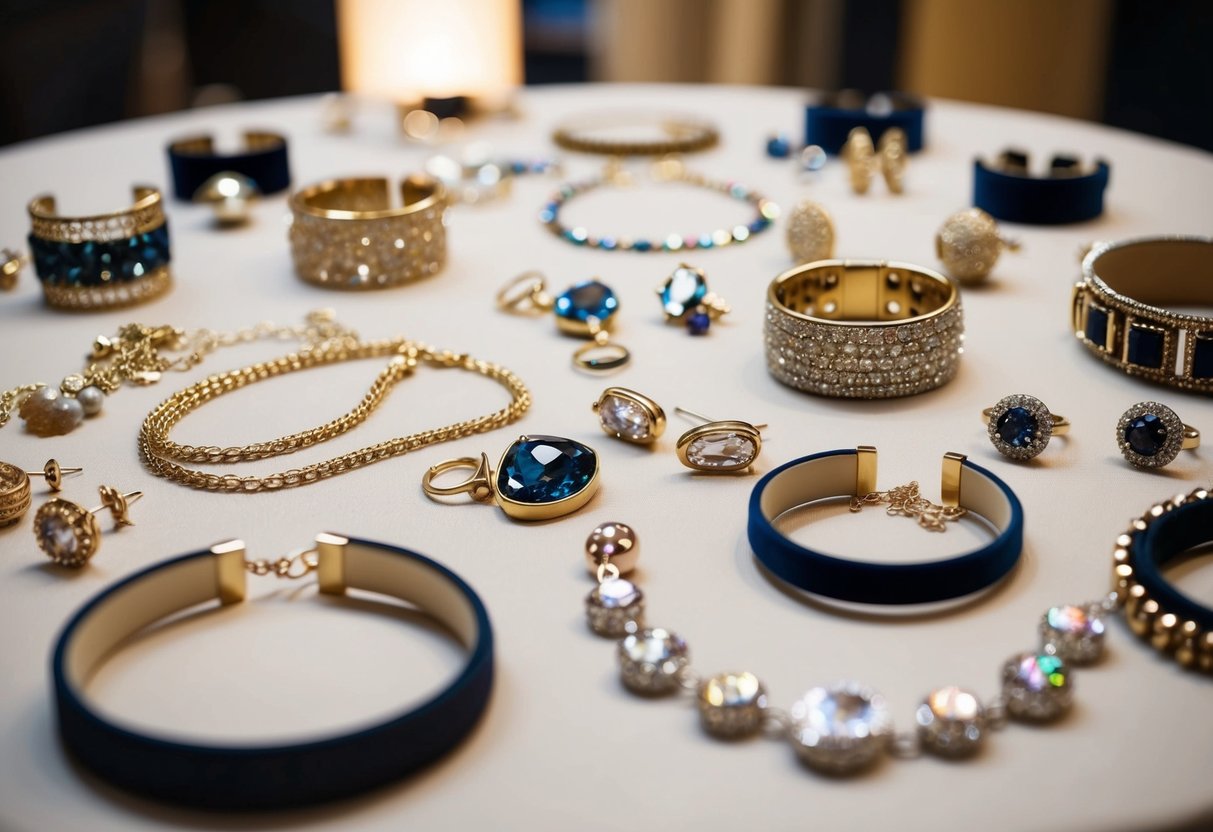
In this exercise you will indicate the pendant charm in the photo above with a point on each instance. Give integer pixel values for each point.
(538, 478)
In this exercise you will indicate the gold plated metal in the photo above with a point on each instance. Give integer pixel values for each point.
(628, 415)
(651, 134)
(907, 500)
(611, 548)
(719, 447)
(229, 571)
(70, 535)
(810, 232)
(16, 493)
(860, 156)
(969, 244)
(11, 263)
(527, 294)
(330, 569)
(951, 475)
(346, 234)
(865, 469)
(230, 195)
(893, 157)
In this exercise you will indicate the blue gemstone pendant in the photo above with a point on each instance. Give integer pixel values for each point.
(585, 308)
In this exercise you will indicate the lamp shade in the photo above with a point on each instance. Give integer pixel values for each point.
(409, 49)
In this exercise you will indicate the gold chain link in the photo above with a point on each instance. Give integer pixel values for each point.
(163, 457)
(907, 501)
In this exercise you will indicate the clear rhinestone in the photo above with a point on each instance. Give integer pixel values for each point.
(625, 418)
(651, 661)
(58, 538)
(1075, 633)
(1036, 687)
(840, 729)
(721, 450)
(951, 722)
(614, 608)
(732, 704)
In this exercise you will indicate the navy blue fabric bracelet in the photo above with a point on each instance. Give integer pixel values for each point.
(1165, 538)
(828, 122)
(235, 777)
(193, 161)
(853, 473)
(1007, 191)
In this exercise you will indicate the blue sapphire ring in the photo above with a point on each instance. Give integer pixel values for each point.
(104, 261)
(1150, 435)
(1020, 426)
(537, 478)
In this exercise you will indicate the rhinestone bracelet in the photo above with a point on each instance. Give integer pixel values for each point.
(845, 728)
(666, 170)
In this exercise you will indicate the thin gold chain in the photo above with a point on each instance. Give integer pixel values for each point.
(907, 501)
(163, 457)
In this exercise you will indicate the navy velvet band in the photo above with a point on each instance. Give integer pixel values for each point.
(1039, 200)
(234, 778)
(268, 167)
(828, 125)
(883, 583)
(1164, 539)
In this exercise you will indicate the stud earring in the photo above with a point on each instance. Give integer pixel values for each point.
(70, 535)
(810, 232)
(584, 310)
(1150, 435)
(718, 447)
(16, 493)
(685, 299)
(893, 158)
(969, 245)
(11, 264)
(630, 416)
(1020, 426)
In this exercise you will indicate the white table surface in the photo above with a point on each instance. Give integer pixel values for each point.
(563, 745)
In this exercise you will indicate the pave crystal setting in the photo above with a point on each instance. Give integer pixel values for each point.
(1149, 435)
(614, 608)
(732, 704)
(951, 722)
(1037, 687)
(1020, 426)
(652, 661)
(842, 728)
(1075, 633)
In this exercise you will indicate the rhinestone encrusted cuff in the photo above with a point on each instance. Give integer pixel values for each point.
(104, 261)
(863, 329)
(1118, 315)
(346, 235)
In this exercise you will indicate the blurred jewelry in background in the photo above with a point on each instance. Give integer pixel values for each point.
(969, 244)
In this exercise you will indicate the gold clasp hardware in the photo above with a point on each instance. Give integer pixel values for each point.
(479, 486)
(907, 500)
(290, 566)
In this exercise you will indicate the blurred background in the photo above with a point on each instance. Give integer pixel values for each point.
(1144, 65)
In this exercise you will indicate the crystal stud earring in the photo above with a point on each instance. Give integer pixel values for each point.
(685, 300)
(70, 535)
(15, 491)
(630, 416)
(969, 245)
(719, 447)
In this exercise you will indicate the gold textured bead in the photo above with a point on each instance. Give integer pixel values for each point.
(1204, 653)
(614, 544)
(810, 232)
(1143, 622)
(969, 245)
(1163, 631)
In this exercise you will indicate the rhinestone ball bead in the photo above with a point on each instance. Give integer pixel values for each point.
(810, 233)
(614, 608)
(951, 722)
(840, 729)
(1074, 633)
(969, 245)
(651, 662)
(732, 704)
(1037, 687)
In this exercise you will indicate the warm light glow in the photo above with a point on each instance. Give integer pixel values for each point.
(405, 49)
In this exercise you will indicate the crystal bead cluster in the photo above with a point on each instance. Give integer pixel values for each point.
(852, 361)
(844, 728)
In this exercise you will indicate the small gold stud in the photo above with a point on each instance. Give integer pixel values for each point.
(16, 493)
(70, 535)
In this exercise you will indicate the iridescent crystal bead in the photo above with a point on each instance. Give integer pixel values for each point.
(1036, 687)
(951, 722)
(613, 544)
(614, 608)
(651, 661)
(840, 729)
(732, 704)
(1075, 633)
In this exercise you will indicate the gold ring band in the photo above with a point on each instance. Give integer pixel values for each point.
(868, 329)
(346, 234)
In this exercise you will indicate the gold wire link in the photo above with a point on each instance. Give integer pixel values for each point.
(292, 566)
(907, 501)
(163, 457)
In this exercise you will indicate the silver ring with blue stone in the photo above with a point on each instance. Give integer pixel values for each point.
(537, 478)
(1151, 435)
(1020, 426)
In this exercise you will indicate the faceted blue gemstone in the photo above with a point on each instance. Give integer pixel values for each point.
(588, 299)
(1145, 346)
(683, 290)
(1097, 325)
(699, 323)
(608, 243)
(758, 225)
(544, 469)
(1146, 434)
(1202, 355)
(642, 245)
(778, 147)
(547, 215)
(1017, 427)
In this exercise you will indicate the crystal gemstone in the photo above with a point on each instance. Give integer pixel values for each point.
(951, 722)
(1017, 427)
(721, 450)
(625, 418)
(544, 469)
(651, 660)
(683, 290)
(58, 538)
(1075, 633)
(1146, 434)
(732, 704)
(585, 300)
(841, 728)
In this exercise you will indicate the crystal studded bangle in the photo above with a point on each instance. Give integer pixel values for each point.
(1118, 309)
(346, 234)
(104, 261)
(847, 727)
(867, 329)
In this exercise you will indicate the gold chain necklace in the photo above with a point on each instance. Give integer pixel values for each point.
(163, 457)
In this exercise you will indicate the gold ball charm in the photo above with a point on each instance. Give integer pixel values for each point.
(612, 545)
(810, 232)
(969, 244)
(229, 194)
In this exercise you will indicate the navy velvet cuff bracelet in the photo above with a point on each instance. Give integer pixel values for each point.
(828, 122)
(1164, 539)
(236, 777)
(1006, 191)
(193, 161)
(841, 473)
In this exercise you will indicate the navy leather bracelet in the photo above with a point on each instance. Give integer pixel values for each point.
(829, 121)
(853, 472)
(193, 161)
(1007, 191)
(236, 777)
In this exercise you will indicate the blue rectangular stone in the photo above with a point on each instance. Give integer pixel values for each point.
(1202, 355)
(1097, 325)
(1145, 346)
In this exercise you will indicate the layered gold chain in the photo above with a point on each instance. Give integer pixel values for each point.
(164, 457)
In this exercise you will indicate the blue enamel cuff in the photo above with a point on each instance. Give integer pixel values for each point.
(103, 261)
(250, 777)
(1069, 192)
(193, 160)
(841, 473)
(828, 122)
